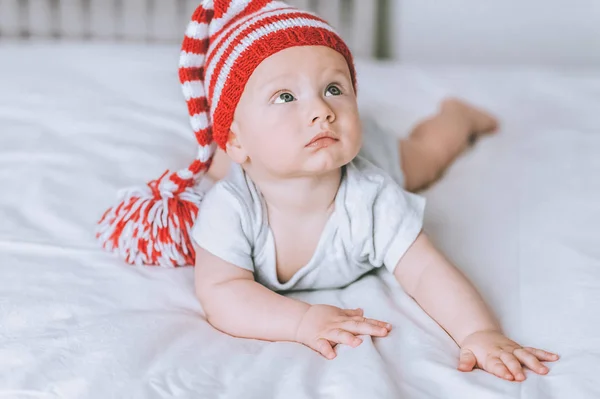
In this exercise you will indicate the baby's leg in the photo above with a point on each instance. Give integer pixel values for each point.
(436, 142)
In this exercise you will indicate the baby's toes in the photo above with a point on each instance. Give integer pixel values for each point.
(483, 122)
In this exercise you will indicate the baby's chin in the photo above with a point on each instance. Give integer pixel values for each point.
(325, 163)
(322, 162)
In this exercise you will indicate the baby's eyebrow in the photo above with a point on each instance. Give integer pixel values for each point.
(273, 80)
(338, 71)
(273, 84)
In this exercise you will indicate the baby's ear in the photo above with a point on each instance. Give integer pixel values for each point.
(234, 148)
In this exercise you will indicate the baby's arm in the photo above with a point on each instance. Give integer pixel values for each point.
(443, 291)
(452, 301)
(237, 305)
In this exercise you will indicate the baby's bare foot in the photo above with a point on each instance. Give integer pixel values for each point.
(436, 142)
(478, 121)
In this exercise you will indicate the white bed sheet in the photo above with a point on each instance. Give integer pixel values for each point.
(519, 214)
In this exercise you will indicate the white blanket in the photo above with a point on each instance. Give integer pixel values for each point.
(519, 214)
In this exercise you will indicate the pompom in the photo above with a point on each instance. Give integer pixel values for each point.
(152, 225)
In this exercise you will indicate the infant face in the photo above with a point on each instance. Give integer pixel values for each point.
(298, 114)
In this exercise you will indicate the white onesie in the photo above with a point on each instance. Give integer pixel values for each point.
(373, 223)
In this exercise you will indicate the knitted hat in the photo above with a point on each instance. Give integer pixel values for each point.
(224, 42)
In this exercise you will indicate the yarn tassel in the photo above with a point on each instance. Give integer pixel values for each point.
(152, 225)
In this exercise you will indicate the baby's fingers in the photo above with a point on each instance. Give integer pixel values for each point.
(324, 348)
(341, 336)
(495, 366)
(530, 360)
(362, 326)
(377, 323)
(542, 354)
(514, 365)
(467, 360)
(358, 312)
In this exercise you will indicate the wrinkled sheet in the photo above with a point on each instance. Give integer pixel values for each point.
(518, 214)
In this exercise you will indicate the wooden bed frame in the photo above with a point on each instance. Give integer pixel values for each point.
(165, 20)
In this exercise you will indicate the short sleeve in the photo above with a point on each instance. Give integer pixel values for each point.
(223, 226)
(397, 221)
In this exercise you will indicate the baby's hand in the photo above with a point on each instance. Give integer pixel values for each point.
(498, 355)
(323, 327)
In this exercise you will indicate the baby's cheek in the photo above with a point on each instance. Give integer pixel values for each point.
(280, 152)
(352, 131)
(356, 144)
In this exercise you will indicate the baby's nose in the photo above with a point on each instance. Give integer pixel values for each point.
(322, 112)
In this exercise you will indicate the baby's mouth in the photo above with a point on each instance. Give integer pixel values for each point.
(323, 139)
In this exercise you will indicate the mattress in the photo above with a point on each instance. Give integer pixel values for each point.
(518, 214)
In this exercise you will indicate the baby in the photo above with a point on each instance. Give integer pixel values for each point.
(301, 206)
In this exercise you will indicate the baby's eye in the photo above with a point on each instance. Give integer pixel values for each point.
(333, 90)
(284, 98)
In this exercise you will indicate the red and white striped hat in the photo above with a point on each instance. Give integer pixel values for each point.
(224, 42)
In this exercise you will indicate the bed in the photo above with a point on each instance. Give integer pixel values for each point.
(519, 214)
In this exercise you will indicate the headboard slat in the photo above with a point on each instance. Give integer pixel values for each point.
(363, 18)
(71, 19)
(134, 22)
(330, 10)
(165, 23)
(102, 19)
(40, 17)
(10, 20)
